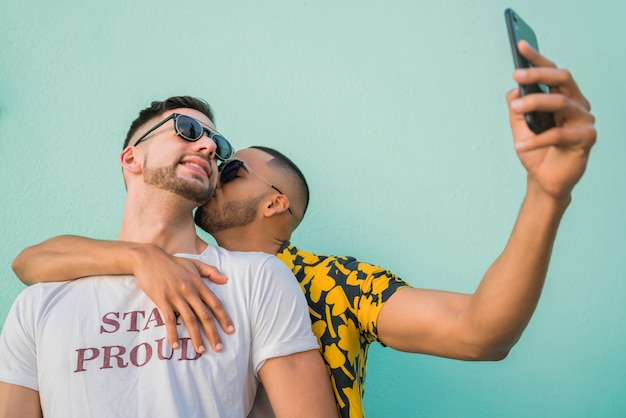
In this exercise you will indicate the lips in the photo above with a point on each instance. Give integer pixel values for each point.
(198, 163)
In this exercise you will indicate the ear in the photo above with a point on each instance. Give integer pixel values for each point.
(278, 204)
(131, 159)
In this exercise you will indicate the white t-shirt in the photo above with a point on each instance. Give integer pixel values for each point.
(97, 346)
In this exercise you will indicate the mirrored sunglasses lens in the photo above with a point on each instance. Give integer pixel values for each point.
(189, 128)
(229, 170)
(224, 150)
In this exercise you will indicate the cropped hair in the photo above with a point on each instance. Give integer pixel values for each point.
(157, 108)
(282, 161)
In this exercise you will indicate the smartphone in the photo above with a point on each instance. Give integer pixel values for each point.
(519, 30)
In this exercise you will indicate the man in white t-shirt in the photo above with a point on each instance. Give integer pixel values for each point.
(96, 347)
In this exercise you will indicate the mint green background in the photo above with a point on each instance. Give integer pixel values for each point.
(396, 112)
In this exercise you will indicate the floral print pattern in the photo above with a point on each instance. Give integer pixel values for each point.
(345, 297)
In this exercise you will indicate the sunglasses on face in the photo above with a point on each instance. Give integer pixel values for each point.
(192, 130)
(228, 171)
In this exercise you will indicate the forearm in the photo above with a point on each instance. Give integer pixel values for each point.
(486, 324)
(506, 298)
(555, 160)
(69, 257)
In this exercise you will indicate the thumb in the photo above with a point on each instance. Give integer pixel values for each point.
(210, 272)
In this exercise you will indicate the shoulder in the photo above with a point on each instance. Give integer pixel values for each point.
(298, 257)
(346, 271)
(52, 290)
(239, 262)
(214, 255)
(43, 299)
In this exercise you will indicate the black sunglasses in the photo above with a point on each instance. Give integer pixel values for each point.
(192, 130)
(228, 171)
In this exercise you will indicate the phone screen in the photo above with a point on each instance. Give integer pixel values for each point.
(520, 30)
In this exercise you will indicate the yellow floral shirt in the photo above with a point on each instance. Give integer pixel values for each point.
(345, 297)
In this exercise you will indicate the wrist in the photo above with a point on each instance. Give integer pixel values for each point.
(549, 202)
(136, 254)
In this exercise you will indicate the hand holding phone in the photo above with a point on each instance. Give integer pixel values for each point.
(520, 30)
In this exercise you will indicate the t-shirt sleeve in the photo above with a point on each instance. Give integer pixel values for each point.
(377, 286)
(281, 324)
(18, 353)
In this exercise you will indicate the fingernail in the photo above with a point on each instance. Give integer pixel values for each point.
(201, 349)
(219, 347)
(520, 145)
(521, 73)
(516, 104)
(231, 328)
(175, 345)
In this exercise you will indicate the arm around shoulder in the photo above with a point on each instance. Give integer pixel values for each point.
(68, 257)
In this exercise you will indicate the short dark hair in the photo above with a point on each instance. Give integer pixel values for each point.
(282, 161)
(175, 102)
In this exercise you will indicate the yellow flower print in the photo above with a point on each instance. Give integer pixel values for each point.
(318, 285)
(336, 359)
(349, 340)
(338, 300)
(319, 328)
(353, 393)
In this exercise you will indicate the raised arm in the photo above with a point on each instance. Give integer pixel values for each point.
(174, 284)
(298, 385)
(485, 325)
(18, 401)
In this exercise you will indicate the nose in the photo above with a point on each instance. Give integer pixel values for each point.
(205, 146)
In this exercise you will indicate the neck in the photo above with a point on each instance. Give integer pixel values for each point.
(161, 218)
(244, 239)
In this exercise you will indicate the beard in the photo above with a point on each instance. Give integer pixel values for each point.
(166, 178)
(229, 215)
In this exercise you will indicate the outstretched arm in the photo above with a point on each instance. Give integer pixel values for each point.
(485, 325)
(174, 284)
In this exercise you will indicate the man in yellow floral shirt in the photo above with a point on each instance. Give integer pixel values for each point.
(345, 298)
(262, 200)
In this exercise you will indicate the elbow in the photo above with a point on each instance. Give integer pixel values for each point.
(496, 355)
(490, 351)
(20, 266)
(491, 344)
(487, 355)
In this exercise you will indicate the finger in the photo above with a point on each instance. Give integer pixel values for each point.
(516, 117)
(192, 324)
(210, 272)
(208, 325)
(559, 80)
(545, 71)
(206, 307)
(218, 310)
(512, 95)
(170, 327)
(553, 77)
(202, 313)
(555, 103)
(580, 137)
(533, 56)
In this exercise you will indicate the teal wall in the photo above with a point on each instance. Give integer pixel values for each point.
(395, 110)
